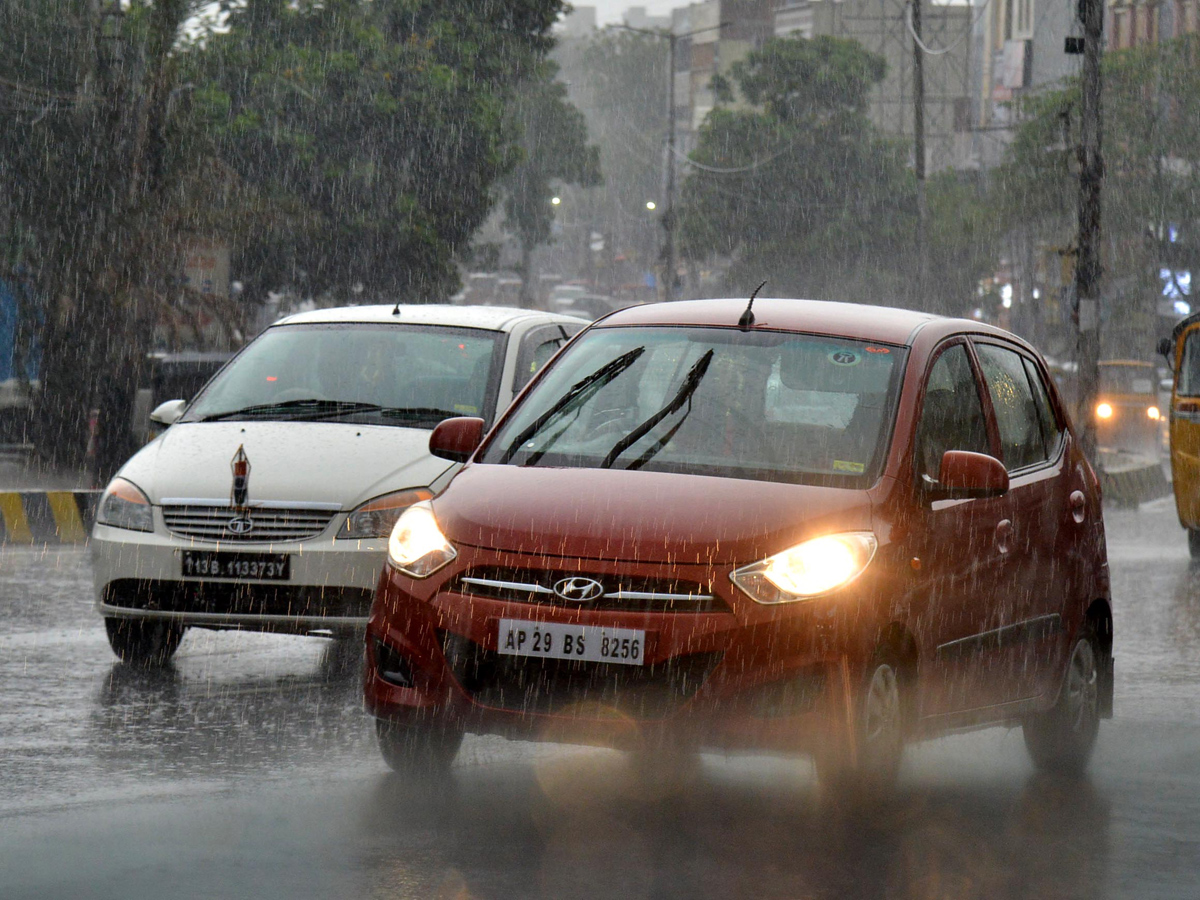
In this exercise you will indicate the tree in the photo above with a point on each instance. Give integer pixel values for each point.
(554, 149)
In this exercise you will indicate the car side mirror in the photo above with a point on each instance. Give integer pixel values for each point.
(968, 476)
(1164, 348)
(167, 413)
(456, 439)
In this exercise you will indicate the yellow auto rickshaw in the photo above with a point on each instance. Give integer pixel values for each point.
(1182, 350)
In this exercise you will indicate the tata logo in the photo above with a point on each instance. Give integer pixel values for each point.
(579, 590)
(240, 525)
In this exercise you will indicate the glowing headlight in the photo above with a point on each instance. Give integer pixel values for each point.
(807, 570)
(125, 506)
(1104, 410)
(417, 546)
(376, 518)
(1153, 413)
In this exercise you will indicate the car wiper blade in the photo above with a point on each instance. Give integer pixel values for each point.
(308, 406)
(417, 412)
(691, 381)
(578, 394)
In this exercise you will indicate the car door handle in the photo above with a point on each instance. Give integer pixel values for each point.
(1078, 507)
(1004, 533)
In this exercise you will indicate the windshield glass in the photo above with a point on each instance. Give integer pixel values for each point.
(365, 373)
(763, 405)
(1127, 378)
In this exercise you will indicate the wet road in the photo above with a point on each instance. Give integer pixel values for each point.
(249, 770)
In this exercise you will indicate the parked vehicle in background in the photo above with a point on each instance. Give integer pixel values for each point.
(268, 501)
(1182, 350)
(814, 527)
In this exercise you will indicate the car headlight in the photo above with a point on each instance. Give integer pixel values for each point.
(1104, 410)
(1153, 413)
(807, 570)
(376, 518)
(125, 506)
(417, 546)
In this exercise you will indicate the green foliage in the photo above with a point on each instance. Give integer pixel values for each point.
(801, 191)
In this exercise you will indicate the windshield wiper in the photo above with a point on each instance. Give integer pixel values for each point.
(417, 412)
(310, 407)
(691, 381)
(578, 394)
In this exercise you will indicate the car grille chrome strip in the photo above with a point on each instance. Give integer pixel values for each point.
(622, 593)
(269, 524)
(516, 586)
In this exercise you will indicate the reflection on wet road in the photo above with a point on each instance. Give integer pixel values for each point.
(249, 769)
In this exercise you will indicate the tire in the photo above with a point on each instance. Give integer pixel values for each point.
(879, 729)
(143, 642)
(422, 751)
(1194, 542)
(1061, 739)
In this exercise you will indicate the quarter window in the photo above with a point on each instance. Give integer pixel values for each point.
(951, 413)
(1022, 442)
(1051, 430)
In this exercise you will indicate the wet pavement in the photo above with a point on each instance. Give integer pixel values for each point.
(248, 769)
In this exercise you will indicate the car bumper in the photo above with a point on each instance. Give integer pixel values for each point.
(329, 588)
(736, 678)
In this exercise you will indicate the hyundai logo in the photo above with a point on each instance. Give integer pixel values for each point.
(579, 590)
(240, 525)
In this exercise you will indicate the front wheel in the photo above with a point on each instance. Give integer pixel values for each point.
(418, 750)
(143, 642)
(878, 735)
(1194, 542)
(1061, 739)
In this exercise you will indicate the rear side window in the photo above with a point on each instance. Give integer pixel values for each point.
(951, 413)
(1022, 442)
(1189, 366)
(1051, 429)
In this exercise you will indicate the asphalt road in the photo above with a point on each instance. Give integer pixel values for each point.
(249, 770)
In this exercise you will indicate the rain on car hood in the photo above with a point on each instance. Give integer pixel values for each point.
(639, 516)
(326, 462)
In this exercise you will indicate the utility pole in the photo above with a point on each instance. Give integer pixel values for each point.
(1091, 177)
(919, 152)
(668, 216)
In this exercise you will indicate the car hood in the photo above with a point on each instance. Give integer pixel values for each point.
(325, 462)
(639, 516)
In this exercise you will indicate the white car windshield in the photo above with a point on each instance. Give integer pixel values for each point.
(763, 405)
(366, 373)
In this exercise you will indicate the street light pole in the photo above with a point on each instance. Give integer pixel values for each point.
(668, 217)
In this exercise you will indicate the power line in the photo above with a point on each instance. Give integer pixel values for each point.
(949, 47)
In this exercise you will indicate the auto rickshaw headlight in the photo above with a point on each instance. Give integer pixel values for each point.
(1104, 410)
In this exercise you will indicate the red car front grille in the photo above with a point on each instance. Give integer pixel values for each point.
(619, 592)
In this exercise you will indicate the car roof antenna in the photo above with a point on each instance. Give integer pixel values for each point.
(747, 319)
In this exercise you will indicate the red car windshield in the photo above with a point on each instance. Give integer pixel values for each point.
(764, 405)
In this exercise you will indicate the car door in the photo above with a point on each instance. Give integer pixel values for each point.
(958, 551)
(1025, 617)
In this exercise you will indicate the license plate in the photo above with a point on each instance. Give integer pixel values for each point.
(255, 566)
(589, 643)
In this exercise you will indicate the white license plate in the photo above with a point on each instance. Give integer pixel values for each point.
(589, 643)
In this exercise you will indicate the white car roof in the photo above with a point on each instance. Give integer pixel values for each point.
(492, 318)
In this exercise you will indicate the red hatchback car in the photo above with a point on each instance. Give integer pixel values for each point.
(818, 527)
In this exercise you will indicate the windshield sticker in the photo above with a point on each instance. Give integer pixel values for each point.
(879, 350)
(844, 358)
(840, 465)
(466, 408)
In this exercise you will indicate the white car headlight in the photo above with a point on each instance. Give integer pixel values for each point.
(417, 546)
(807, 570)
(125, 506)
(376, 518)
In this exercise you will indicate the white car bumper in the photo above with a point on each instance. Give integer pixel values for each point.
(329, 588)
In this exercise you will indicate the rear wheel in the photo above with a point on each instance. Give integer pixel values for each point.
(878, 734)
(1194, 542)
(1062, 738)
(143, 642)
(418, 750)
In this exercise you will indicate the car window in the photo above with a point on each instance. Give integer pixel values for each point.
(413, 374)
(764, 405)
(951, 412)
(536, 349)
(1048, 420)
(1189, 366)
(1022, 442)
(1126, 378)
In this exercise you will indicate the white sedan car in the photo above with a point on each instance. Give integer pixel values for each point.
(268, 502)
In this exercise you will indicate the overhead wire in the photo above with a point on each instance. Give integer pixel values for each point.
(941, 51)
